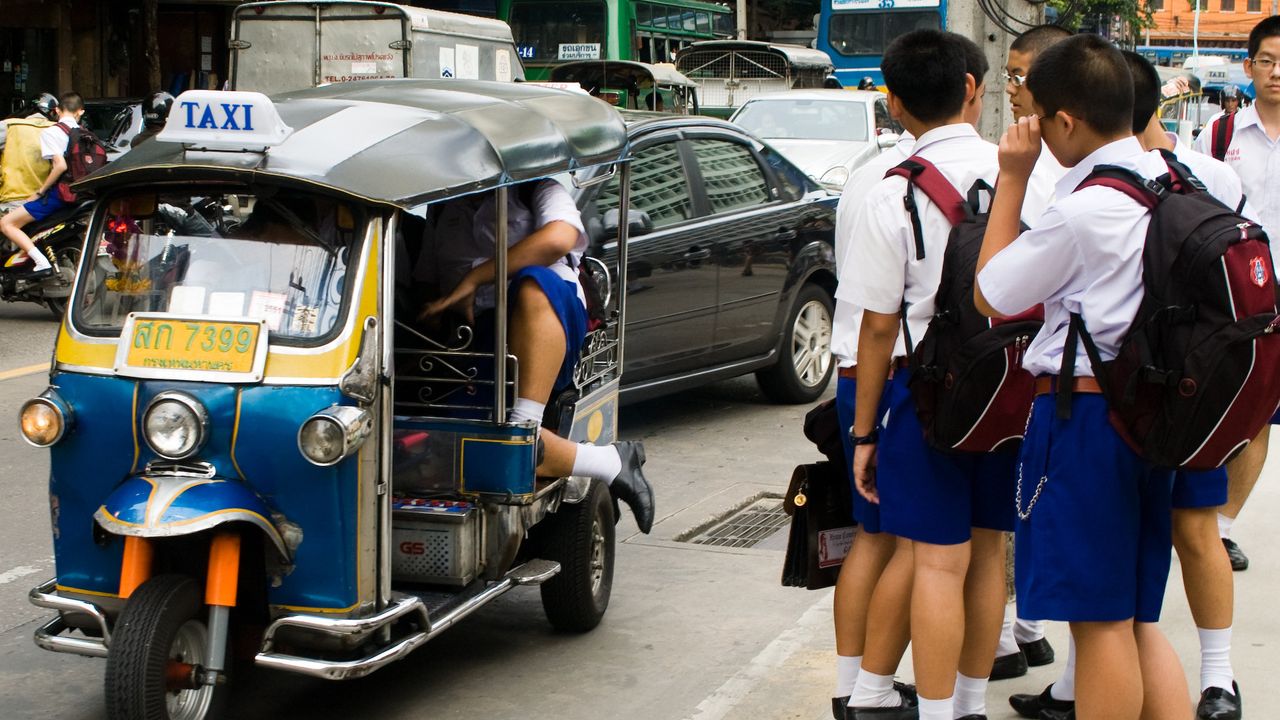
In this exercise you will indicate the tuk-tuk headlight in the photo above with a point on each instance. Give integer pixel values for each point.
(334, 433)
(44, 419)
(175, 425)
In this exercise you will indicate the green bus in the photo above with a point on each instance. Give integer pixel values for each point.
(548, 32)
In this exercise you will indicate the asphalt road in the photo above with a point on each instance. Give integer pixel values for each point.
(692, 632)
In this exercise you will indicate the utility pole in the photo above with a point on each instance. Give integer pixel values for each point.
(742, 19)
(150, 33)
(967, 18)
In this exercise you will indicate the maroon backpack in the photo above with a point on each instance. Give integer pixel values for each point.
(967, 381)
(1222, 128)
(1198, 372)
(85, 154)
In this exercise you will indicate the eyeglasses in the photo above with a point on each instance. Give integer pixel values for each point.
(1014, 80)
(1264, 64)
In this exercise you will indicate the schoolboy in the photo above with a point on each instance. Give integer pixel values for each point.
(1093, 537)
(951, 509)
(1022, 642)
(1254, 153)
(864, 566)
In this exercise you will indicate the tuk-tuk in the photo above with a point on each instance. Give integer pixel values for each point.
(631, 85)
(1183, 107)
(730, 72)
(257, 456)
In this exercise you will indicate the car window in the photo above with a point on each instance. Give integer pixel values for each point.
(731, 176)
(658, 186)
(884, 121)
(790, 178)
(805, 120)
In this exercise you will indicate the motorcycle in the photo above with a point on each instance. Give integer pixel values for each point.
(59, 237)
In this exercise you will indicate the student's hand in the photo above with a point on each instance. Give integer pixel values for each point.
(1020, 147)
(864, 472)
(461, 299)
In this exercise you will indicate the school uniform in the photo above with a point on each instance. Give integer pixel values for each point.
(1256, 159)
(925, 495)
(848, 316)
(53, 142)
(1094, 536)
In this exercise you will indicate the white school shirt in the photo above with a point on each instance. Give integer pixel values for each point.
(848, 319)
(1045, 175)
(53, 141)
(1084, 256)
(1221, 182)
(1256, 159)
(885, 270)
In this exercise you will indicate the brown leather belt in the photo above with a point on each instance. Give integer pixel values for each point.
(1047, 384)
(851, 373)
(848, 373)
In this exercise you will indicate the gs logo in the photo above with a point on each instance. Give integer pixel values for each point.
(413, 547)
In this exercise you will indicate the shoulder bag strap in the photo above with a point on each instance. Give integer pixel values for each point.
(923, 174)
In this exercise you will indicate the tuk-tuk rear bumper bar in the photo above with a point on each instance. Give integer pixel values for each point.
(534, 572)
(50, 635)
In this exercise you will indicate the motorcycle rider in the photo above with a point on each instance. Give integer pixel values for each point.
(22, 169)
(155, 111)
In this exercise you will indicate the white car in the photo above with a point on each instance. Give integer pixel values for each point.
(827, 133)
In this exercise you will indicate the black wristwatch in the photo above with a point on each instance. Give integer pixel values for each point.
(870, 438)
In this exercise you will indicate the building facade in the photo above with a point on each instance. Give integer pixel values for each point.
(1223, 23)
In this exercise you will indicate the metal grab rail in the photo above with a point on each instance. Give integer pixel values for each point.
(49, 636)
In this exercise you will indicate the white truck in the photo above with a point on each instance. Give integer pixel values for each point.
(294, 44)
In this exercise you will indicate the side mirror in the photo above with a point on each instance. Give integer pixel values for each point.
(887, 140)
(638, 223)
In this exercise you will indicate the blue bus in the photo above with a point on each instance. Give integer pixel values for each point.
(855, 32)
(1173, 55)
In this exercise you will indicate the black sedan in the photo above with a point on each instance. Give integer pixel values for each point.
(730, 261)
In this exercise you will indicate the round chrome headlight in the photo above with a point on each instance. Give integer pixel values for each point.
(42, 420)
(175, 425)
(334, 433)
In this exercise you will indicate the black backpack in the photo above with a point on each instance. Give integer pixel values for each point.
(1196, 377)
(85, 154)
(969, 387)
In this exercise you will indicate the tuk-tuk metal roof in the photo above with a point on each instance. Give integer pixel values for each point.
(663, 74)
(401, 142)
(797, 55)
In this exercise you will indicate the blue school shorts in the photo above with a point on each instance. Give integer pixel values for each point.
(1275, 419)
(934, 497)
(1199, 489)
(45, 205)
(563, 296)
(867, 514)
(1097, 545)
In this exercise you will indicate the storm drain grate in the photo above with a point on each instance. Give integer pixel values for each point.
(745, 527)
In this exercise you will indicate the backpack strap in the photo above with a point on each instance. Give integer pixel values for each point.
(1223, 128)
(63, 128)
(1146, 193)
(1181, 179)
(923, 174)
(1076, 333)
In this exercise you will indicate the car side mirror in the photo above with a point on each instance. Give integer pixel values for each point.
(887, 140)
(638, 223)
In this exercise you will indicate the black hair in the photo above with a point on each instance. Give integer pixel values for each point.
(925, 70)
(1086, 76)
(975, 61)
(1039, 38)
(1146, 89)
(71, 102)
(1269, 27)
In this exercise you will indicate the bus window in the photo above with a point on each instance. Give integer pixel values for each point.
(723, 25)
(544, 27)
(704, 23)
(644, 13)
(868, 33)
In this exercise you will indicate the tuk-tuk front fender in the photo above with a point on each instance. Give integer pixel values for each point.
(169, 506)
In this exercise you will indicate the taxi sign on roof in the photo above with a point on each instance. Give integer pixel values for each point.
(223, 120)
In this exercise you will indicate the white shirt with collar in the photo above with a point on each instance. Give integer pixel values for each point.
(885, 271)
(1221, 182)
(1256, 159)
(1084, 256)
(848, 319)
(54, 140)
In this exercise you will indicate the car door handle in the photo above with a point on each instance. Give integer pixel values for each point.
(697, 253)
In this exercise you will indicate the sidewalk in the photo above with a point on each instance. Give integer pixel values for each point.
(793, 677)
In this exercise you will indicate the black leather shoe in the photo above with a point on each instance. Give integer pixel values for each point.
(1009, 666)
(906, 710)
(1239, 561)
(1032, 706)
(631, 487)
(973, 717)
(907, 691)
(1055, 715)
(838, 704)
(1038, 652)
(1218, 704)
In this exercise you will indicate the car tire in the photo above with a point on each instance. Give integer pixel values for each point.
(580, 536)
(804, 364)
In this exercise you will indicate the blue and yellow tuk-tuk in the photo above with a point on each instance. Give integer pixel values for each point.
(252, 440)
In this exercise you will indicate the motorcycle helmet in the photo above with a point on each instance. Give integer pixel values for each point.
(867, 83)
(46, 104)
(155, 109)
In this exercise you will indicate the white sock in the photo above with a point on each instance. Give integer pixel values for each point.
(1065, 687)
(1008, 644)
(41, 262)
(970, 696)
(943, 709)
(1027, 631)
(1224, 525)
(601, 462)
(847, 674)
(874, 690)
(1215, 659)
(525, 410)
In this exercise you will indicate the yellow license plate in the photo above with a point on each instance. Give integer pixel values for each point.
(194, 345)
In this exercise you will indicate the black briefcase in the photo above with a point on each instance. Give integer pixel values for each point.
(822, 527)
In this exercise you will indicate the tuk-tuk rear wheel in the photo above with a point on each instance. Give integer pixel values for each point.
(581, 538)
(160, 637)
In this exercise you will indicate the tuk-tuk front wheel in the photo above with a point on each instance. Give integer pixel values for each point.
(157, 646)
(581, 538)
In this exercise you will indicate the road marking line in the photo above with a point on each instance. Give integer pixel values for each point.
(24, 371)
(726, 698)
(21, 571)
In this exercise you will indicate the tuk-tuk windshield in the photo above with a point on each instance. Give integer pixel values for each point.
(281, 258)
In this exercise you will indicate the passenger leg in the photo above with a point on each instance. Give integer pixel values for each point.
(984, 593)
(938, 624)
(11, 225)
(862, 568)
(888, 628)
(1109, 677)
(1206, 577)
(1242, 474)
